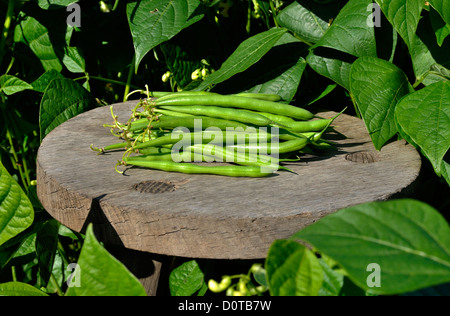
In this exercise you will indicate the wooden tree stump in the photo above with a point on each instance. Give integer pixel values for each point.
(207, 216)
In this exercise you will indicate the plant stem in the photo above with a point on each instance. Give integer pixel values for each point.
(13, 273)
(6, 27)
(272, 7)
(358, 114)
(106, 80)
(130, 76)
(56, 285)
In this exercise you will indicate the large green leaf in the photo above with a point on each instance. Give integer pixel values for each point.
(19, 289)
(440, 28)
(54, 4)
(101, 274)
(272, 74)
(404, 15)
(377, 86)
(331, 64)
(155, 21)
(36, 36)
(293, 270)
(425, 117)
(246, 55)
(350, 33)
(16, 211)
(10, 84)
(443, 7)
(303, 22)
(62, 100)
(407, 239)
(46, 245)
(186, 279)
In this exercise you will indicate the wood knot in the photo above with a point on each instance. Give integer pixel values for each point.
(157, 186)
(362, 157)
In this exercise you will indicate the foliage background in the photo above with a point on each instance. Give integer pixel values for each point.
(113, 53)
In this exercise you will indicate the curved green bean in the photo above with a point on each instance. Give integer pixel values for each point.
(239, 102)
(189, 168)
(223, 113)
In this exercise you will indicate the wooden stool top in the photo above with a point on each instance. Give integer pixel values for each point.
(207, 216)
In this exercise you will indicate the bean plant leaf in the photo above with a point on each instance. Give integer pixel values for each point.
(36, 36)
(46, 245)
(443, 7)
(350, 33)
(272, 74)
(101, 274)
(155, 21)
(44, 80)
(10, 85)
(73, 59)
(19, 289)
(186, 279)
(247, 54)
(425, 117)
(377, 86)
(331, 64)
(55, 4)
(62, 100)
(303, 22)
(440, 28)
(293, 270)
(408, 240)
(16, 211)
(404, 15)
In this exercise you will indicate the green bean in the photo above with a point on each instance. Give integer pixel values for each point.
(239, 102)
(205, 137)
(224, 113)
(309, 126)
(293, 145)
(154, 150)
(171, 113)
(171, 122)
(189, 168)
(277, 119)
(260, 96)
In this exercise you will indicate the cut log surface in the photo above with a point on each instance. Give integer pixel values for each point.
(208, 216)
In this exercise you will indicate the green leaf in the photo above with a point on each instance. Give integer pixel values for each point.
(293, 270)
(303, 22)
(331, 64)
(186, 279)
(46, 245)
(62, 100)
(350, 33)
(443, 7)
(407, 239)
(333, 281)
(272, 74)
(37, 37)
(19, 289)
(377, 86)
(16, 211)
(54, 4)
(425, 117)
(248, 53)
(156, 21)
(43, 81)
(101, 274)
(74, 60)
(10, 85)
(404, 15)
(441, 29)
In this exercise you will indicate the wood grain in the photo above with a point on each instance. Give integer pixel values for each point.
(206, 216)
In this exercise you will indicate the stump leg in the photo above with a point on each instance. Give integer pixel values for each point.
(145, 266)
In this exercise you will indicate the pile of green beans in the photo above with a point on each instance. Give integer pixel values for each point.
(252, 133)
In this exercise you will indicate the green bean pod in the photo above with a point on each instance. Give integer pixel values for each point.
(239, 102)
(260, 96)
(171, 122)
(189, 168)
(223, 113)
(288, 146)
